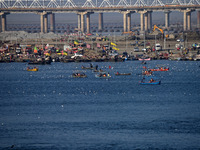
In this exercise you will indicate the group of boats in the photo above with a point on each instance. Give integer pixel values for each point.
(148, 77)
(99, 73)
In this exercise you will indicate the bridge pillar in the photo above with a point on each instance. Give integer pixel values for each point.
(146, 21)
(129, 21)
(82, 20)
(198, 19)
(79, 22)
(3, 21)
(88, 22)
(142, 19)
(149, 20)
(167, 19)
(41, 23)
(45, 23)
(184, 20)
(100, 22)
(125, 21)
(189, 21)
(52, 22)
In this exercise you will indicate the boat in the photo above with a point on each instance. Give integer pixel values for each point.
(32, 69)
(91, 67)
(147, 72)
(151, 83)
(79, 75)
(39, 62)
(104, 75)
(122, 74)
(144, 59)
(100, 70)
(160, 69)
(150, 80)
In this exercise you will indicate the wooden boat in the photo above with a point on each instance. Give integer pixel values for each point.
(79, 75)
(83, 67)
(144, 59)
(103, 75)
(151, 83)
(39, 63)
(122, 74)
(32, 69)
(150, 80)
(160, 69)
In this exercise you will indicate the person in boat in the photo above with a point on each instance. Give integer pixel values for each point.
(96, 67)
(117, 73)
(91, 66)
(152, 80)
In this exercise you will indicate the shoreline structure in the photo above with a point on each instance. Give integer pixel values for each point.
(39, 47)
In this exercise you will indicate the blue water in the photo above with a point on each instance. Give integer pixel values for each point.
(50, 110)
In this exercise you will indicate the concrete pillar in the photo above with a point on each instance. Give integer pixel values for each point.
(141, 21)
(167, 19)
(146, 21)
(3, 22)
(129, 21)
(125, 21)
(41, 23)
(184, 20)
(149, 20)
(88, 22)
(52, 22)
(100, 21)
(198, 19)
(79, 22)
(45, 23)
(189, 21)
(82, 22)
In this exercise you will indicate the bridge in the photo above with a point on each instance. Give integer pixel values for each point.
(88, 7)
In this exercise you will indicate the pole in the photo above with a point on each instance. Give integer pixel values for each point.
(144, 40)
(164, 41)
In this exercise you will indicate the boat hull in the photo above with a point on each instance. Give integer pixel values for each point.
(34, 69)
(167, 69)
(151, 83)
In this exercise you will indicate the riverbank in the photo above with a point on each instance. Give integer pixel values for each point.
(88, 48)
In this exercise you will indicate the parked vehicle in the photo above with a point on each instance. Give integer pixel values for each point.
(158, 47)
(136, 49)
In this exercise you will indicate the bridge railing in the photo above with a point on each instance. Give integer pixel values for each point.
(89, 3)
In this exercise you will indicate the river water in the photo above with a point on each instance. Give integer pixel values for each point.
(50, 110)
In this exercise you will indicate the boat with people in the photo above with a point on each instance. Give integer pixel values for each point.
(160, 69)
(147, 72)
(103, 75)
(150, 82)
(32, 69)
(79, 75)
(122, 74)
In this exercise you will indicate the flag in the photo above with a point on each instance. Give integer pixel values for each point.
(115, 48)
(35, 50)
(98, 45)
(76, 42)
(88, 46)
(113, 44)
